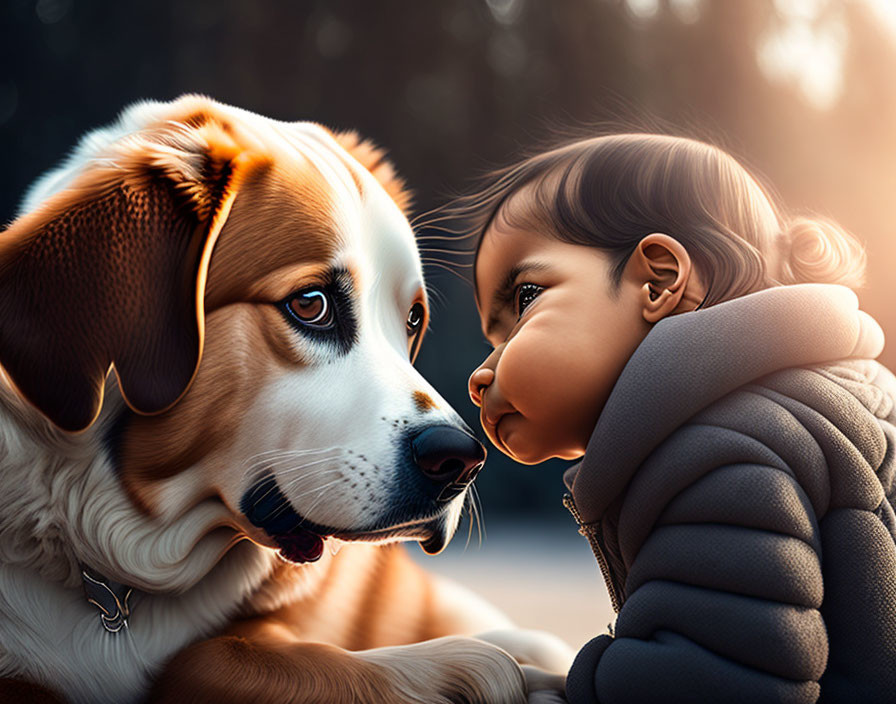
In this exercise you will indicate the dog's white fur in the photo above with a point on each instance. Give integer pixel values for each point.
(62, 504)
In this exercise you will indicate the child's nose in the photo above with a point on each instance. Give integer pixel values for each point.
(479, 381)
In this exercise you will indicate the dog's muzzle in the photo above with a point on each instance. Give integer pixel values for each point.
(440, 462)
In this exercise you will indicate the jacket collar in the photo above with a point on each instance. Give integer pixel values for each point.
(690, 360)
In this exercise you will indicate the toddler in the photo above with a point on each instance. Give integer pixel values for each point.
(653, 312)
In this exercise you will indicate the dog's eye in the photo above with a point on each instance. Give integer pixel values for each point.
(312, 307)
(415, 319)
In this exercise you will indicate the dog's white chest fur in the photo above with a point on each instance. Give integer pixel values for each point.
(54, 636)
(58, 509)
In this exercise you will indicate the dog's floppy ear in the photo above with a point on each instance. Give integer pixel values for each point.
(111, 272)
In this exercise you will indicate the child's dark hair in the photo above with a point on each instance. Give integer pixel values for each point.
(611, 191)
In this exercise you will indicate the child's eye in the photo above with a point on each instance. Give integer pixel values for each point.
(525, 294)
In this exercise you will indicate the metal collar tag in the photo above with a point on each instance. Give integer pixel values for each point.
(111, 598)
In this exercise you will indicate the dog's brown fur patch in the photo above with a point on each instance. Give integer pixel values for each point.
(281, 219)
(424, 401)
(381, 596)
(373, 158)
(245, 346)
(269, 668)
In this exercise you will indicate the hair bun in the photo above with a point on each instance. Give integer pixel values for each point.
(814, 250)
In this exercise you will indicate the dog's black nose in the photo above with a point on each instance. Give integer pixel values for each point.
(448, 455)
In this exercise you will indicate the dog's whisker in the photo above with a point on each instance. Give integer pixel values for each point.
(288, 488)
(289, 451)
(318, 499)
(277, 510)
(277, 452)
(257, 471)
(276, 461)
(305, 477)
(314, 489)
(263, 496)
(265, 464)
(474, 517)
(468, 501)
(315, 503)
(261, 469)
(286, 451)
(297, 481)
(291, 470)
(439, 299)
(301, 451)
(287, 503)
(480, 519)
(275, 485)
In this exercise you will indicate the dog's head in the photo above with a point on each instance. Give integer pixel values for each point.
(257, 291)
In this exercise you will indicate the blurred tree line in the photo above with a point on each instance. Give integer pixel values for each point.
(457, 87)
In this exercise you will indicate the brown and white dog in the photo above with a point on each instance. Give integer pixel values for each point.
(164, 530)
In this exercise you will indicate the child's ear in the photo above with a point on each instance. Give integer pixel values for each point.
(669, 283)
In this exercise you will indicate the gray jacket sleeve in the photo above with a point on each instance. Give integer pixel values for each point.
(723, 581)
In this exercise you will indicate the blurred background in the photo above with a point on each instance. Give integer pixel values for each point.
(801, 91)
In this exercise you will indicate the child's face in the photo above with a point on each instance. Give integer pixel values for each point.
(560, 341)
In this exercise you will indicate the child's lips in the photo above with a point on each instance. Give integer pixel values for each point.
(492, 412)
(498, 432)
(493, 430)
(490, 416)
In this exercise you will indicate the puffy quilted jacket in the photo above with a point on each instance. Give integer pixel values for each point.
(738, 493)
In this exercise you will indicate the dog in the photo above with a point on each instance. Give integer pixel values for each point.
(212, 435)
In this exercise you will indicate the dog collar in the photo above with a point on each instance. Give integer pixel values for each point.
(111, 598)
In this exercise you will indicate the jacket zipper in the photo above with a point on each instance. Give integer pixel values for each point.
(593, 536)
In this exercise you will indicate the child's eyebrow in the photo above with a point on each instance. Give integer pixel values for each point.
(504, 292)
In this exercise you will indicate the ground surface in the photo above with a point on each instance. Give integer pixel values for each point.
(542, 576)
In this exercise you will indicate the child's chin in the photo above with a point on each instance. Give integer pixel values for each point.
(531, 455)
(515, 442)
(525, 455)
(530, 460)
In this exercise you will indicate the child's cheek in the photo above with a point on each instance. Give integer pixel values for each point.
(557, 379)
(537, 385)
(528, 368)
(524, 365)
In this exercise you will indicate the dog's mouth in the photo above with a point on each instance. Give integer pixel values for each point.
(300, 545)
(300, 540)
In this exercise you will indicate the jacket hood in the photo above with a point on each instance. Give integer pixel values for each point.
(690, 360)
